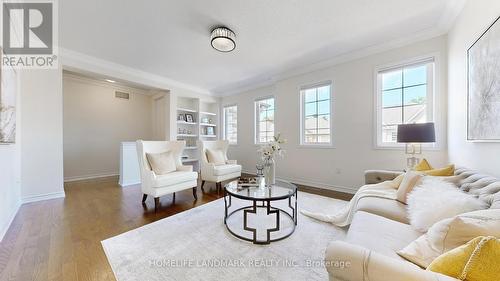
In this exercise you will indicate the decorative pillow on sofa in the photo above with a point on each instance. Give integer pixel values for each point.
(161, 163)
(423, 165)
(408, 182)
(434, 200)
(442, 172)
(216, 156)
(450, 233)
(475, 261)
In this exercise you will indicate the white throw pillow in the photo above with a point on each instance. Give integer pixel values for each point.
(408, 183)
(161, 163)
(216, 156)
(434, 200)
(450, 233)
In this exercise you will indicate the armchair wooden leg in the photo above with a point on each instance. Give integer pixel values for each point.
(144, 197)
(202, 184)
(173, 199)
(157, 203)
(195, 194)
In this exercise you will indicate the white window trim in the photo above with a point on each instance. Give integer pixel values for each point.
(224, 123)
(436, 102)
(256, 118)
(302, 143)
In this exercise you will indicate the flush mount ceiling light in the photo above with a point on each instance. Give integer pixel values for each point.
(223, 39)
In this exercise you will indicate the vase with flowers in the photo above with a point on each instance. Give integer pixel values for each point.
(269, 151)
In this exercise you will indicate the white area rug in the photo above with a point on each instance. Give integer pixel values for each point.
(195, 245)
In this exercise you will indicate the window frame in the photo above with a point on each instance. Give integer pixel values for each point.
(302, 116)
(432, 82)
(224, 128)
(256, 117)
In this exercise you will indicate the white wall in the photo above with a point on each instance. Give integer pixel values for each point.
(96, 122)
(340, 168)
(475, 18)
(42, 135)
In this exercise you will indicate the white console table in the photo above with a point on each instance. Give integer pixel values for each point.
(129, 164)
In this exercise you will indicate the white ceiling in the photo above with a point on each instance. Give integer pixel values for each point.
(171, 38)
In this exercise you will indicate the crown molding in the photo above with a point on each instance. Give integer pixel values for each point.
(445, 23)
(78, 62)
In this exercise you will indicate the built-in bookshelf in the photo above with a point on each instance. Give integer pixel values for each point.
(197, 120)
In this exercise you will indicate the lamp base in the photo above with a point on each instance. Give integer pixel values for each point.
(411, 162)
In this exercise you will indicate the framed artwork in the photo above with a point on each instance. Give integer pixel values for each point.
(189, 118)
(181, 117)
(204, 120)
(483, 86)
(210, 131)
(8, 92)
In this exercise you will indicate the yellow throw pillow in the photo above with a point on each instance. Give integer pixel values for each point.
(475, 261)
(443, 172)
(423, 165)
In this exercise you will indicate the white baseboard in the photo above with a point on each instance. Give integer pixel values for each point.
(90, 177)
(12, 215)
(41, 197)
(125, 184)
(316, 184)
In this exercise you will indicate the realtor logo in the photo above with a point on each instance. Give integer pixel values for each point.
(28, 35)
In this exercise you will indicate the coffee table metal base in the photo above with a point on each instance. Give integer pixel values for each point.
(270, 210)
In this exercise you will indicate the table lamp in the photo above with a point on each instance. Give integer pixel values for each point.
(413, 135)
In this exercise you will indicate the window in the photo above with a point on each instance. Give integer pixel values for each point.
(316, 115)
(405, 94)
(264, 120)
(231, 124)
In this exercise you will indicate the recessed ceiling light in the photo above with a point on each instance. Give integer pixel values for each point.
(110, 81)
(223, 39)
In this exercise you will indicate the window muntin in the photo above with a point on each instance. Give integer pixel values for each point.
(405, 95)
(264, 111)
(316, 115)
(231, 124)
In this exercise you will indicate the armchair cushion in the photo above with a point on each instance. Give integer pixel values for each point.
(174, 178)
(216, 156)
(161, 163)
(221, 170)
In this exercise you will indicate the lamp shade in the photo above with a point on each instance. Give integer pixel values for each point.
(417, 133)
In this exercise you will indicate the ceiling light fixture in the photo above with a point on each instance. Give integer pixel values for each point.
(223, 39)
(110, 81)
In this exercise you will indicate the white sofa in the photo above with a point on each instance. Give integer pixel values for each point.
(380, 227)
(217, 173)
(159, 185)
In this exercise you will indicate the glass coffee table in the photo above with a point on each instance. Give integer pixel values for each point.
(273, 211)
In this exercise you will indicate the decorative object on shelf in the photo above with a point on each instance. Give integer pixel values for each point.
(210, 131)
(189, 132)
(209, 121)
(189, 118)
(204, 120)
(181, 117)
(413, 135)
(223, 39)
(483, 92)
(269, 152)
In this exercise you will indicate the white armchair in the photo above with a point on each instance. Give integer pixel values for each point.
(217, 173)
(159, 185)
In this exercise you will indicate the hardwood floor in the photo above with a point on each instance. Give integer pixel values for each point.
(59, 239)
